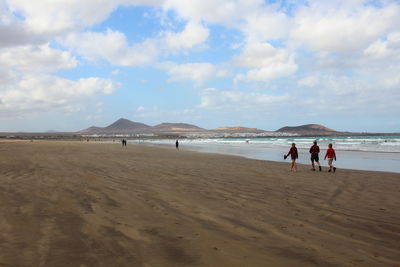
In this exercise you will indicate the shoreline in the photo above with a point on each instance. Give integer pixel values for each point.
(364, 161)
(367, 161)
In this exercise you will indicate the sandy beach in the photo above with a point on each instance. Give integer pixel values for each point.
(100, 204)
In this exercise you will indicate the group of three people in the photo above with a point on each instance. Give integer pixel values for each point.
(314, 151)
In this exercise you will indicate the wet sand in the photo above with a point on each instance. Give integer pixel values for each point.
(98, 204)
(356, 160)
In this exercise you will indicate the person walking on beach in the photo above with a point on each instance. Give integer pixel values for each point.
(294, 155)
(177, 144)
(314, 151)
(331, 155)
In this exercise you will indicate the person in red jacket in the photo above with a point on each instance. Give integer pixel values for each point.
(331, 155)
(294, 155)
(314, 151)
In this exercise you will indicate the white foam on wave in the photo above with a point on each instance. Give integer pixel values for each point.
(372, 144)
(376, 144)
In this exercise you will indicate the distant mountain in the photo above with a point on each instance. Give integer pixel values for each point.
(175, 127)
(92, 129)
(238, 129)
(124, 125)
(120, 126)
(308, 129)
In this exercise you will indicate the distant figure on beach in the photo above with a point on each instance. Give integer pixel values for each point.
(331, 155)
(294, 155)
(314, 151)
(123, 142)
(177, 144)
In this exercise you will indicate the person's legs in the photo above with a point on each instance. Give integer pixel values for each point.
(312, 164)
(316, 159)
(294, 166)
(330, 164)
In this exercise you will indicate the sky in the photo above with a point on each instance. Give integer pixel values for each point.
(66, 65)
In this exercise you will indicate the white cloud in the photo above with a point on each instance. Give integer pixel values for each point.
(36, 58)
(42, 92)
(357, 94)
(54, 17)
(15, 33)
(256, 19)
(114, 48)
(268, 62)
(26, 22)
(59, 16)
(341, 26)
(194, 34)
(382, 49)
(197, 72)
(7, 75)
(149, 112)
(234, 100)
(155, 115)
(310, 81)
(225, 12)
(326, 94)
(386, 80)
(265, 24)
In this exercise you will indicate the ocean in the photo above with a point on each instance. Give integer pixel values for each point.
(375, 153)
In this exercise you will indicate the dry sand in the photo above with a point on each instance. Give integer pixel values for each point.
(93, 204)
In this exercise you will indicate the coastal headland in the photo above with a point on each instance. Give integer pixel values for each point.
(71, 203)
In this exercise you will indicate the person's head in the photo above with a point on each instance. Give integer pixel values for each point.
(330, 145)
(293, 144)
(315, 142)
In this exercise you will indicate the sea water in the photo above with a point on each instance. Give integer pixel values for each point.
(376, 153)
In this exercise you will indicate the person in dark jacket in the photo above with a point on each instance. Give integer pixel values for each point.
(314, 151)
(294, 156)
